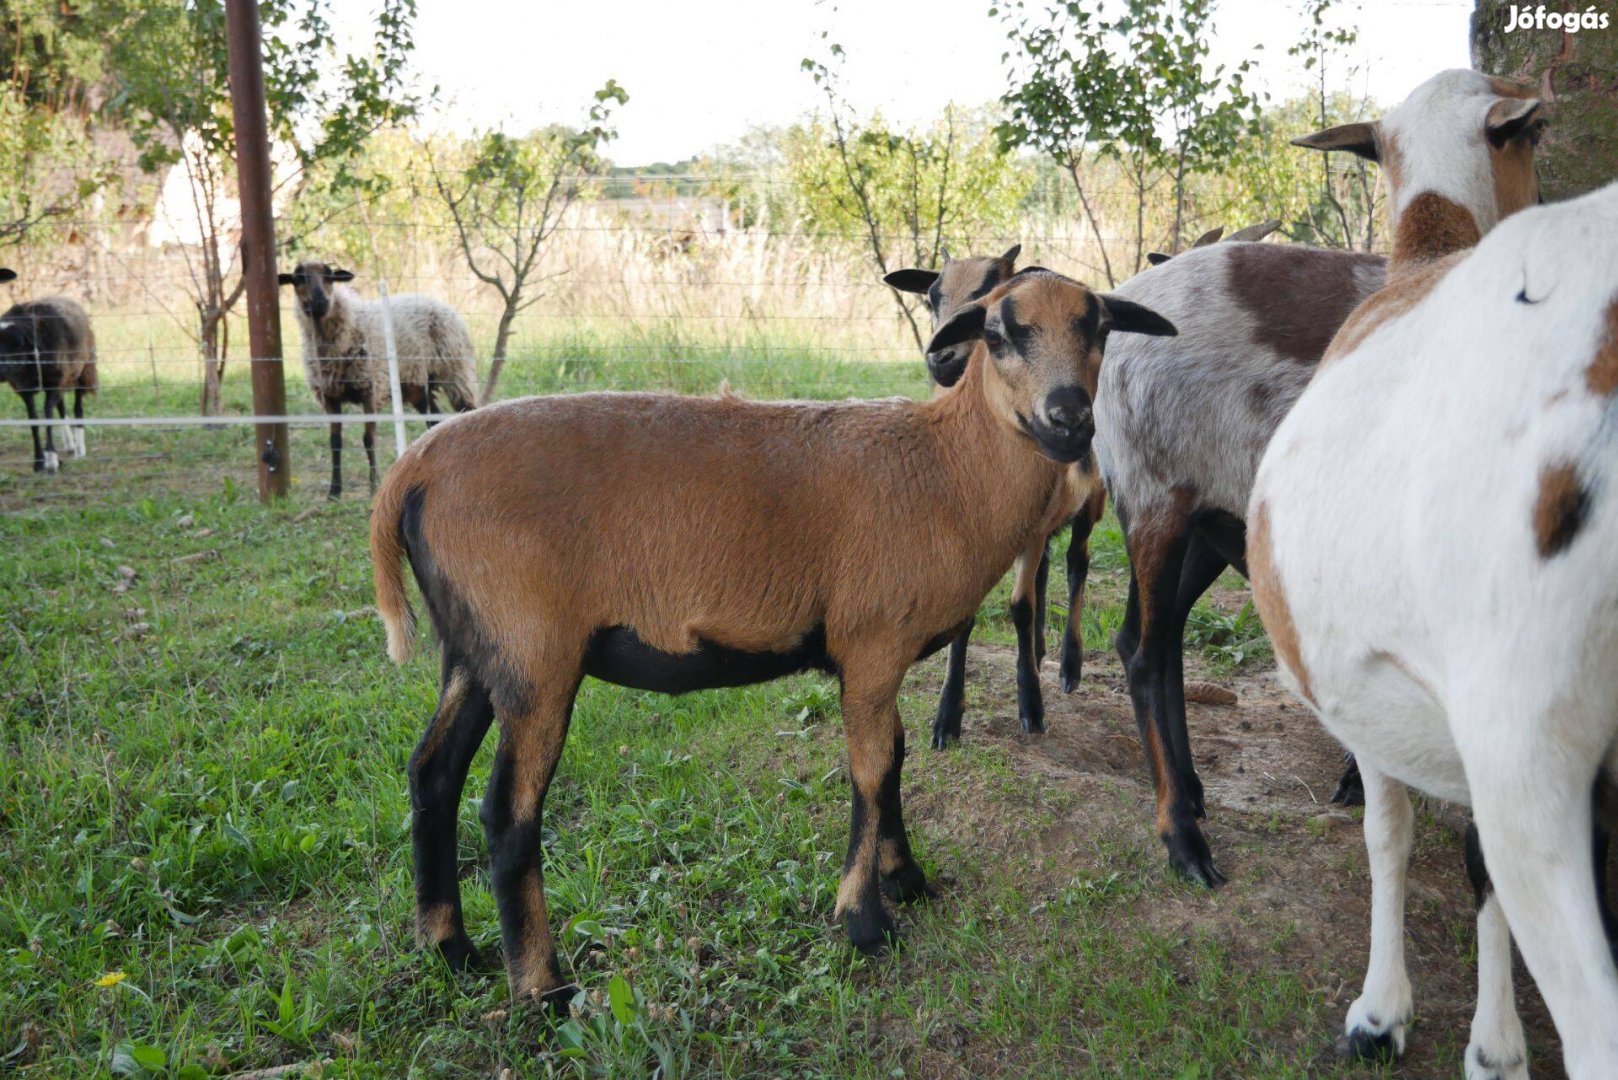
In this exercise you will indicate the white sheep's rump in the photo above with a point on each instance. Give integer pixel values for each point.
(1442, 513)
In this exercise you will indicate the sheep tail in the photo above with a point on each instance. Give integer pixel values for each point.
(387, 564)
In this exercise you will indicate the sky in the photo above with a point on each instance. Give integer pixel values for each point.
(701, 73)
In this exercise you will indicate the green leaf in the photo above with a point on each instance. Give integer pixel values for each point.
(622, 999)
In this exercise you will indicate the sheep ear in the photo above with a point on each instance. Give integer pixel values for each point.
(965, 325)
(1510, 118)
(341, 275)
(1257, 232)
(1128, 317)
(285, 279)
(1357, 139)
(1011, 254)
(7, 275)
(912, 281)
(1210, 237)
(1157, 258)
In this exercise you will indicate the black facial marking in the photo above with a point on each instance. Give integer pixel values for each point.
(991, 279)
(935, 294)
(1087, 327)
(618, 655)
(1020, 334)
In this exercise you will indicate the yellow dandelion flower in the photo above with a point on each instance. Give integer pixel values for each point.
(111, 978)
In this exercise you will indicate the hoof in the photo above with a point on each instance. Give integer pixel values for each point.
(78, 443)
(1500, 1064)
(50, 464)
(872, 934)
(906, 885)
(1362, 1044)
(1072, 668)
(556, 1001)
(334, 494)
(460, 954)
(1033, 722)
(1189, 854)
(1350, 788)
(946, 730)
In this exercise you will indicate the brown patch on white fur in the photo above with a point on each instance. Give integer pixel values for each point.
(1271, 601)
(1256, 277)
(1602, 374)
(1559, 510)
(1403, 292)
(1430, 227)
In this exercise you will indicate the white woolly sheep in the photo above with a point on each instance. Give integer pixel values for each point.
(345, 359)
(1432, 537)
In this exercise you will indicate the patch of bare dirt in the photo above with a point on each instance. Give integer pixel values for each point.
(1299, 891)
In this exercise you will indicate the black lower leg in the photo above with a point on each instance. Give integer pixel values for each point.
(437, 777)
(1200, 569)
(1350, 788)
(1030, 702)
(33, 429)
(1042, 580)
(1078, 570)
(903, 880)
(370, 451)
(336, 489)
(952, 699)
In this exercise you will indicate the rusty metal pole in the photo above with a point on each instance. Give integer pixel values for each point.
(258, 244)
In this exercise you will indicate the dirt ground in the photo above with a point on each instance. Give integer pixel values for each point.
(1298, 885)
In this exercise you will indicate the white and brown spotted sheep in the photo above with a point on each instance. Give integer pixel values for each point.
(345, 356)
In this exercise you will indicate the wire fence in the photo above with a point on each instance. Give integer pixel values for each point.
(660, 292)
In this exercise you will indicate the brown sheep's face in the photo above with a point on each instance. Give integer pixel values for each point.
(957, 282)
(311, 282)
(1041, 336)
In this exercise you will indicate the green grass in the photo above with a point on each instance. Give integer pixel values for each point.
(203, 829)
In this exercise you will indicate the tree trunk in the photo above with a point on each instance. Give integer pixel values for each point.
(1579, 73)
(502, 338)
(213, 364)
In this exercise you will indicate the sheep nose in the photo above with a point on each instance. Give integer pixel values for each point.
(1068, 418)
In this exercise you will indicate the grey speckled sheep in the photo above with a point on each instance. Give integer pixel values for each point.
(47, 346)
(345, 358)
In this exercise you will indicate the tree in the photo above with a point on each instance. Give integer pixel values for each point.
(1343, 213)
(169, 66)
(1133, 90)
(509, 197)
(903, 196)
(47, 165)
(1579, 151)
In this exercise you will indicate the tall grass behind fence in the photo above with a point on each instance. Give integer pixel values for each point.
(676, 296)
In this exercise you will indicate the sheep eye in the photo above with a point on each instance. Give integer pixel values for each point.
(993, 340)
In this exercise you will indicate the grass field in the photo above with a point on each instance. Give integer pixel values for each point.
(204, 854)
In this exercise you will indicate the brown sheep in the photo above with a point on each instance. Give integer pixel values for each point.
(958, 282)
(677, 544)
(47, 346)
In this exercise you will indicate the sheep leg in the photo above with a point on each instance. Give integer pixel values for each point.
(78, 429)
(902, 879)
(33, 428)
(1497, 1050)
(333, 407)
(872, 729)
(1042, 580)
(1202, 568)
(1024, 597)
(530, 747)
(952, 698)
(1158, 557)
(1531, 778)
(53, 401)
(1350, 788)
(370, 451)
(437, 776)
(427, 405)
(1375, 1027)
(1078, 572)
